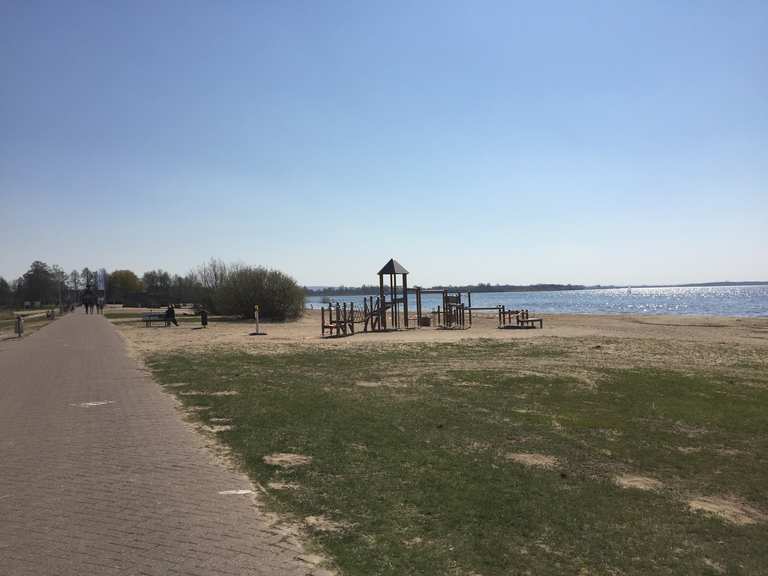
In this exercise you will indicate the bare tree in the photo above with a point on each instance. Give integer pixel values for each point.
(87, 277)
(74, 280)
(212, 274)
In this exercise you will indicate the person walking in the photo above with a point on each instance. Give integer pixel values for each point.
(88, 299)
(170, 315)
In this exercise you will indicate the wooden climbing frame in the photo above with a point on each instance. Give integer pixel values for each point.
(517, 319)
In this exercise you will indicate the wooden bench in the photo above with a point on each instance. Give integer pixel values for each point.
(530, 322)
(150, 317)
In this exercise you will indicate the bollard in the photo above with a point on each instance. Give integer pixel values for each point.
(19, 327)
(256, 317)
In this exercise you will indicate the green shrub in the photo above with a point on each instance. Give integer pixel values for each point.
(276, 293)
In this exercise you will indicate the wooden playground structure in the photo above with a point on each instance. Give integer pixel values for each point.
(389, 310)
(517, 319)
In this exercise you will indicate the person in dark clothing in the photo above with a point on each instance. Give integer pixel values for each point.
(170, 315)
(88, 299)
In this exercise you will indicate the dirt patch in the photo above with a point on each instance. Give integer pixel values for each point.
(716, 566)
(194, 409)
(470, 384)
(729, 509)
(323, 524)
(287, 460)
(283, 486)
(475, 446)
(729, 452)
(533, 459)
(217, 428)
(689, 431)
(219, 393)
(416, 541)
(638, 482)
(366, 384)
(369, 384)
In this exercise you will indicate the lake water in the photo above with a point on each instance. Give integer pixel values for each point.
(711, 300)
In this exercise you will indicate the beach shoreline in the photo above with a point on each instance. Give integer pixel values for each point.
(689, 331)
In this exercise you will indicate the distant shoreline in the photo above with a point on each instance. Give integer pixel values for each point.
(486, 288)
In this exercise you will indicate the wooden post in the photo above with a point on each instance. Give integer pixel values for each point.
(322, 321)
(395, 305)
(391, 301)
(469, 301)
(405, 299)
(382, 315)
(446, 322)
(418, 307)
(352, 315)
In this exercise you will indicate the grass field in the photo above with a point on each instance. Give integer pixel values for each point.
(491, 457)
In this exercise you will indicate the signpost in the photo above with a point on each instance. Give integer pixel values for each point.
(256, 319)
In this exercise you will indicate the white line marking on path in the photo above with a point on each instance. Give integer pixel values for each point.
(91, 404)
(235, 492)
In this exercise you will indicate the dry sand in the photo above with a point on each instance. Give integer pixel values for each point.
(704, 329)
(580, 341)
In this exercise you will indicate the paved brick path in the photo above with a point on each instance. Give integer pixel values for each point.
(122, 486)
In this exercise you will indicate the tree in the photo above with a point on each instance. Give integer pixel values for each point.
(40, 283)
(74, 280)
(87, 277)
(122, 283)
(6, 296)
(60, 279)
(277, 294)
(156, 282)
(210, 276)
(17, 287)
(186, 288)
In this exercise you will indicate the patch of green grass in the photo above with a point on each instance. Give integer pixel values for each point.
(417, 469)
(119, 315)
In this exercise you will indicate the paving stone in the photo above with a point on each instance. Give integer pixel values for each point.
(99, 474)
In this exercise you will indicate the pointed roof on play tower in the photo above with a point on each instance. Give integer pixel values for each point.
(393, 267)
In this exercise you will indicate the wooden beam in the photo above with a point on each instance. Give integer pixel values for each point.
(405, 299)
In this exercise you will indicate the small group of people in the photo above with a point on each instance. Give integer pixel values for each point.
(92, 302)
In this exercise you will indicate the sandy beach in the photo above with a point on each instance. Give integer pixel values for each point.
(659, 341)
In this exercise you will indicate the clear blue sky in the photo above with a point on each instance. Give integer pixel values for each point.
(585, 142)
